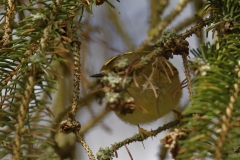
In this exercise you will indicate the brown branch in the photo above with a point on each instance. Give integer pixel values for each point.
(200, 24)
(187, 74)
(71, 125)
(23, 110)
(226, 119)
(85, 146)
(187, 22)
(129, 153)
(12, 73)
(108, 152)
(93, 121)
(77, 77)
(7, 27)
(140, 137)
(156, 8)
(163, 24)
(83, 101)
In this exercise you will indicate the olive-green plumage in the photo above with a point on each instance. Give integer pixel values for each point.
(157, 83)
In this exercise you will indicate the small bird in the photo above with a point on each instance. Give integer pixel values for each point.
(139, 87)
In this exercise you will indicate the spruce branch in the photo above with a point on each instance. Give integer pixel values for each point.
(184, 24)
(71, 125)
(163, 24)
(76, 92)
(86, 127)
(107, 152)
(216, 89)
(15, 71)
(227, 117)
(187, 74)
(8, 18)
(85, 146)
(77, 76)
(156, 8)
(23, 111)
(29, 59)
(196, 28)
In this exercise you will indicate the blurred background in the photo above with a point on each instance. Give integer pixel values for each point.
(109, 33)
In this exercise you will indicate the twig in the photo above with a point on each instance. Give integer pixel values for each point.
(129, 153)
(85, 146)
(201, 23)
(23, 110)
(163, 24)
(93, 121)
(188, 77)
(77, 77)
(83, 101)
(140, 137)
(156, 8)
(188, 21)
(76, 92)
(7, 27)
(71, 125)
(108, 152)
(227, 118)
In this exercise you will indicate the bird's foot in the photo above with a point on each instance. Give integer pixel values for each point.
(143, 132)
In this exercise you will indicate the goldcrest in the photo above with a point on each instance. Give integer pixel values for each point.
(140, 89)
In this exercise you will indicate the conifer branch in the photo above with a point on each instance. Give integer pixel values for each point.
(8, 18)
(163, 24)
(107, 152)
(85, 146)
(77, 77)
(187, 74)
(23, 111)
(227, 117)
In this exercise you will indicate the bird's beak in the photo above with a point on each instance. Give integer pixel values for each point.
(98, 75)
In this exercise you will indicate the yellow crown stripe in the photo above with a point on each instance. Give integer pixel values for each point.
(114, 57)
(110, 60)
(126, 53)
